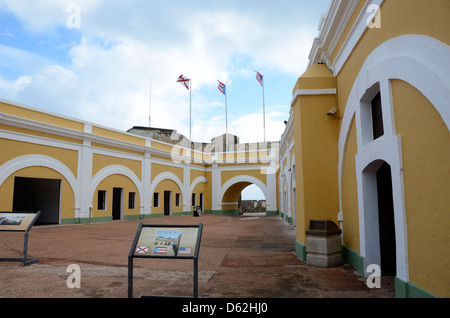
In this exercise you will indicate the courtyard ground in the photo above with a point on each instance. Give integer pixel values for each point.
(250, 256)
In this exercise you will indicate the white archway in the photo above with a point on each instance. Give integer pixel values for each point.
(26, 161)
(113, 170)
(249, 179)
(424, 63)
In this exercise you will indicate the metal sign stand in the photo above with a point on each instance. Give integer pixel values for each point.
(135, 252)
(24, 259)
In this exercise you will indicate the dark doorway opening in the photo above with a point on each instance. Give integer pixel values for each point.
(167, 199)
(36, 194)
(386, 221)
(117, 203)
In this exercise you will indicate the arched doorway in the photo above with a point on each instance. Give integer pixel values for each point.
(386, 224)
(379, 217)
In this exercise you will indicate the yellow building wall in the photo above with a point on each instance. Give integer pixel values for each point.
(101, 161)
(201, 188)
(157, 169)
(67, 202)
(398, 17)
(17, 148)
(167, 185)
(117, 135)
(38, 134)
(107, 184)
(40, 116)
(350, 194)
(227, 175)
(316, 154)
(426, 163)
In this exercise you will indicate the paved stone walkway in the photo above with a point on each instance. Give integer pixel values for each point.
(245, 256)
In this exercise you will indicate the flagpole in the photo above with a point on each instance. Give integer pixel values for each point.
(226, 121)
(190, 112)
(264, 114)
(226, 112)
(150, 105)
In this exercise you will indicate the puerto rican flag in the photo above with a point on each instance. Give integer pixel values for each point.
(260, 79)
(184, 81)
(160, 250)
(222, 87)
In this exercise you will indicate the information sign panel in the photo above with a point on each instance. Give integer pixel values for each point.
(165, 241)
(176, 242)
(16, 221)
(19, 222)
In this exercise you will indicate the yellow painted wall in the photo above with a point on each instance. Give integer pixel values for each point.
(67, 202)
(18, 148)
(426, 163)
(398, 17)
(167, 185)
(117, 135)
(227, 175)
(201, 188)
(115, 181)
(350, 194)
(40, 116)
(157, 169)
(316, 154)
(39, 134)
(102, 161)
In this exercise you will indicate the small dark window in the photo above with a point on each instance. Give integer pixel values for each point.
(101, 203)
(377, 117)
(155, 200)
(132, 200)
(193, 199)
(177, 199)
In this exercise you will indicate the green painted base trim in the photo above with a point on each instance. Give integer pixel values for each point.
(409, 290)
(282, 215)
(300, 250)
(289, 219)
(182, 213)
(271, 213)
(354, 259)
(222, 212)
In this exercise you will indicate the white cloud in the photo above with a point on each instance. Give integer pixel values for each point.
(123, 44)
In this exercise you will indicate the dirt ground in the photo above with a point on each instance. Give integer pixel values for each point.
(240, 257)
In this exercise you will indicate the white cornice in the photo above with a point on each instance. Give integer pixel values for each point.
(333, 27)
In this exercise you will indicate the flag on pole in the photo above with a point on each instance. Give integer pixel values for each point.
(222, 87)
(260, 79)
(184, 81)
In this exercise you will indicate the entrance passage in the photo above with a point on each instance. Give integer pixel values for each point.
(167, 201)
(35, 194)
(386, 221)
(117, 203)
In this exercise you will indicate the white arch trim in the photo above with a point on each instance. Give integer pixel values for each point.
(26, 161)
(196, 182)
(168, 176)
(270, 201)
(424, 63)
(112, 170)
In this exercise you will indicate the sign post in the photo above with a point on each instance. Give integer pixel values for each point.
(19, 222)
(166, 242)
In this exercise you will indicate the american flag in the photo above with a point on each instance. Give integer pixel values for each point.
(222, 87)
(259, 77)
(184, 81)
(184, 250)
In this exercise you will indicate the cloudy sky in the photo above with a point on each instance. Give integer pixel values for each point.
(103, 61)
(111, 61)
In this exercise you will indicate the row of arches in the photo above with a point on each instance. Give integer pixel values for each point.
(123, 185)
